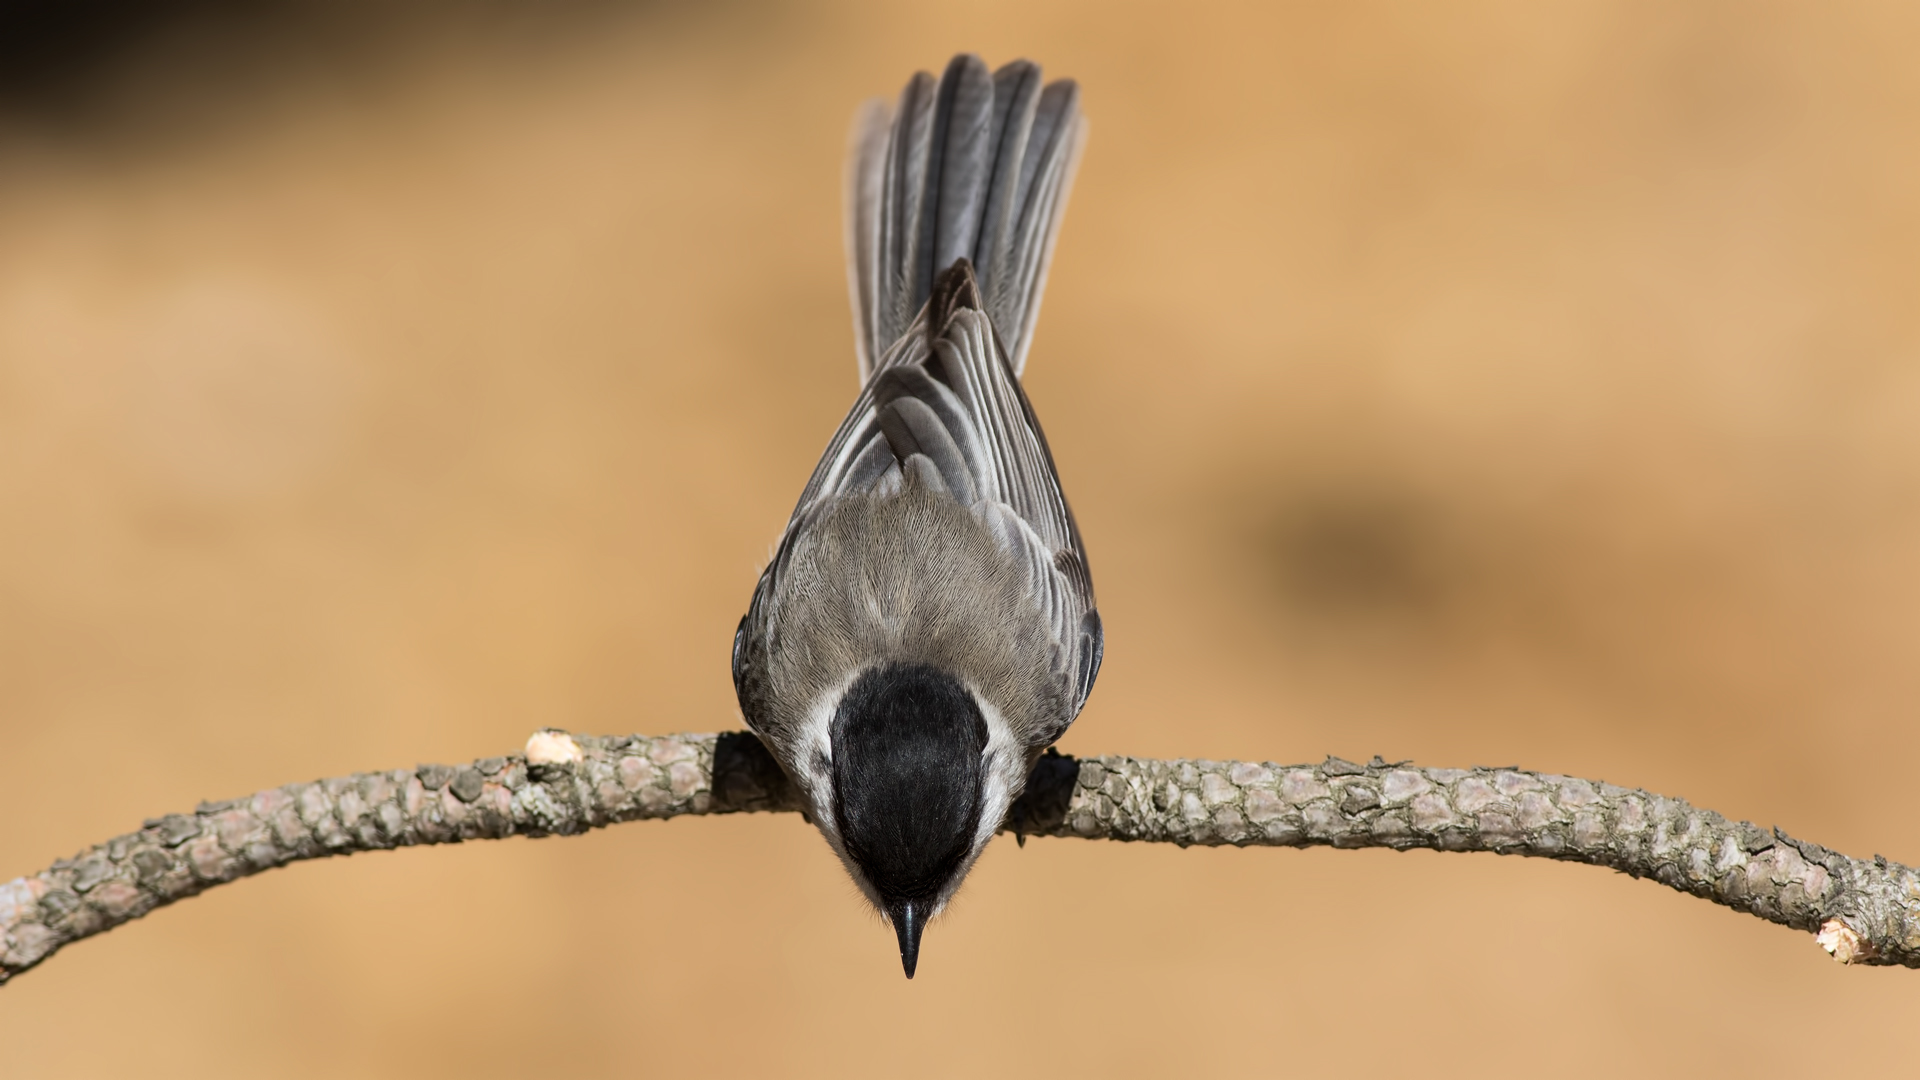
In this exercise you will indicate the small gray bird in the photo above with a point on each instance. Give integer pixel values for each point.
(926, 628)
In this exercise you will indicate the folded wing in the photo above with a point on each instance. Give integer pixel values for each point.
(944, 403)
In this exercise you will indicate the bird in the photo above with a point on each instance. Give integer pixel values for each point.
(926, 627)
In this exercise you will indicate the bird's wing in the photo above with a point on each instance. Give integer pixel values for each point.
(946, 404)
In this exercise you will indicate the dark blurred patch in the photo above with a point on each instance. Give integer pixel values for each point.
(1360, 552)
(44, 42)
(55, 52)
(72, 61)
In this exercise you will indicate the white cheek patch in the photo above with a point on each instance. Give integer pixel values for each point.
(1005, 771)
(815, 745)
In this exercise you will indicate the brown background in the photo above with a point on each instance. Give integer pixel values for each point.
(1508, 383)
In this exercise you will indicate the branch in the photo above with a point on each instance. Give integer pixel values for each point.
(1865, 912)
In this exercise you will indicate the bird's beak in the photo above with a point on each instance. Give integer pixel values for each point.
(909, 918)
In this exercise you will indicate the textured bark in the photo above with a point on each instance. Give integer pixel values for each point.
(1865, 911)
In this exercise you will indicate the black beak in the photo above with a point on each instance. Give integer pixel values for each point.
(909, 918)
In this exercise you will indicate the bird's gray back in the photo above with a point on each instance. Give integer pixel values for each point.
(910, 576)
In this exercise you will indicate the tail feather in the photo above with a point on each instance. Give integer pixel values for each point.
(960, 158)
(1046, 178)
(1016, 91)
(974, 165)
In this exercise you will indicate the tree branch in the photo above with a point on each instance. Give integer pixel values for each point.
(1865, 911)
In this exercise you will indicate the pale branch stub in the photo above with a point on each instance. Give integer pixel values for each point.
(1864, 911)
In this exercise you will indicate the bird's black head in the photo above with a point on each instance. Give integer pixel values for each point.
(907, 777)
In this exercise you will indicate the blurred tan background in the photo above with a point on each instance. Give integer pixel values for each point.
(1508, 383)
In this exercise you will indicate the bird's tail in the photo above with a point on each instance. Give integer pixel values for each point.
(972, 165)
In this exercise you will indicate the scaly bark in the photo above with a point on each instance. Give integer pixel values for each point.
(1865, 911)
